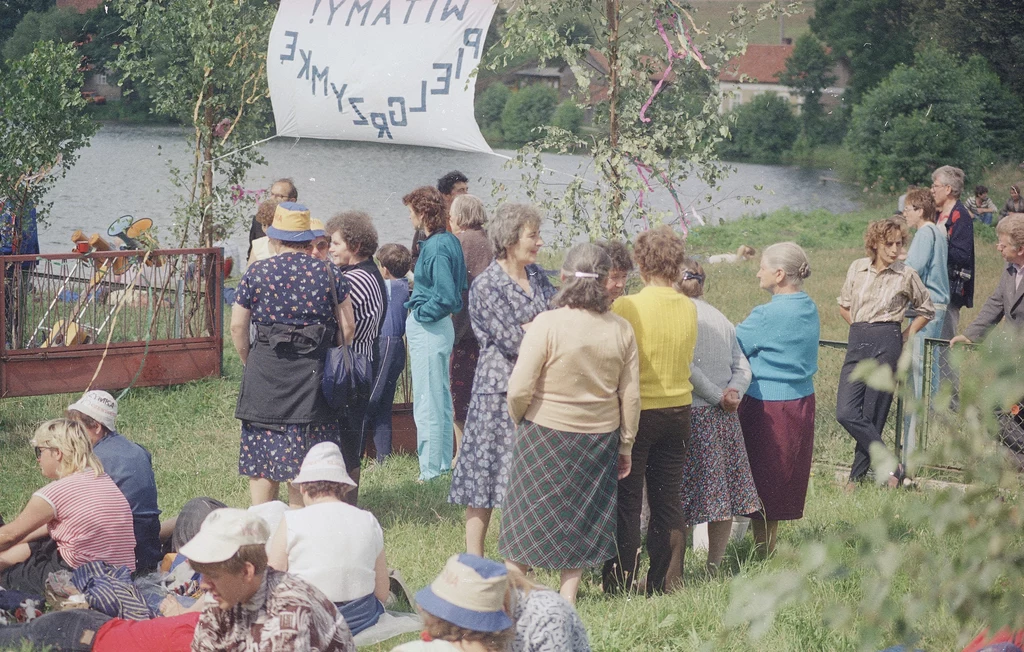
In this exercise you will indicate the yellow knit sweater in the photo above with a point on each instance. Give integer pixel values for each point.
(665, 325)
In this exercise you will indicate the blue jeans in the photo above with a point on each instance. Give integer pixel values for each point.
(430, 347)
(62, 631)
(986, 218)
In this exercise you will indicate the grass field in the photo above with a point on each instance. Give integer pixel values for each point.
(193, 437)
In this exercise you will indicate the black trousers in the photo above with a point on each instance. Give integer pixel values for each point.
(659, 455)
(859, 408)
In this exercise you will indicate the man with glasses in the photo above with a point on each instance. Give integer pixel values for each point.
(947, 185)
(281, 190)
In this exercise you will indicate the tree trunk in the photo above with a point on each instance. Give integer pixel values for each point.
(206, 194)
(614, 176)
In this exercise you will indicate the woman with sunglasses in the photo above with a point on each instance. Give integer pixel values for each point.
(80, 517)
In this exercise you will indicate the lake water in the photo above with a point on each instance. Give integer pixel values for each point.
(125, 171)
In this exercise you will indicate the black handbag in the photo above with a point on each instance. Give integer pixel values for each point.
(346, 372)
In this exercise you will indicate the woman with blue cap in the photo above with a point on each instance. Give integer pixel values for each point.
(464, 608)
(299, 308)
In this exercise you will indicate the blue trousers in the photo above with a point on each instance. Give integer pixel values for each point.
(430, 347)
(391, 354)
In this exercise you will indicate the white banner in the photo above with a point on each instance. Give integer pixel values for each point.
(387, 71)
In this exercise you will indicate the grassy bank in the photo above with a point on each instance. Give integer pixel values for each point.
(193, 436)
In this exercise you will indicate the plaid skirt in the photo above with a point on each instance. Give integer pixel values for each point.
(277, 453)
(560, 507)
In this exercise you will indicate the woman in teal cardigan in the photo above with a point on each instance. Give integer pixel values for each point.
(780, 339)
(440, 278)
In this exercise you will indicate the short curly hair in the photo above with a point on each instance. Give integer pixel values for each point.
(922, 198)
(265, 212)
(660, 252)
(1013, 226)
(506, 227)
(356, 229)
(879, 231)
(619, 253)
(428, 204)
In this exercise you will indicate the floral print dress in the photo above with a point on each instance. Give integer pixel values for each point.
(291, 288)
(498, 308)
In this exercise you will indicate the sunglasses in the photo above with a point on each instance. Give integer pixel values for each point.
(39, 450)
(322, 246)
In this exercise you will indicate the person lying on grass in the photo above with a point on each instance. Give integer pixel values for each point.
(334, 546)
(80, 517)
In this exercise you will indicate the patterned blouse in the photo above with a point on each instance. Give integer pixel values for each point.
(545, 622)
(290, 288)
(498, 308)
(873, 296)
(287, 614)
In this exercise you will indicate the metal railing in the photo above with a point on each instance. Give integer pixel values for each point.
(834, 446)
(109, 319)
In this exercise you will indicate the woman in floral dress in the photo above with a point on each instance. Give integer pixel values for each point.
(299, 307)
(503, 300)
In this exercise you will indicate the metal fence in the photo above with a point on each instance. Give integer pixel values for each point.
(903, 435)
(109, 319)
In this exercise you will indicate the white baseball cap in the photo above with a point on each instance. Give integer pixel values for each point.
(324, 462)
(223, 532)
(99, 405)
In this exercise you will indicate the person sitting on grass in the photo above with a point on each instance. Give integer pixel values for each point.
(129, 465)
(464, 608)
(80, 517)
(334, 546)
(545, 621)
(253, 608)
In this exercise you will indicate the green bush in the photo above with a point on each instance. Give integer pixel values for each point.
(568, 116)
(940, 111)
(488, 108)
(764, 129)
(525, 111)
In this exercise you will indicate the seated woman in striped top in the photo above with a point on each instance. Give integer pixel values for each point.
(80, 517)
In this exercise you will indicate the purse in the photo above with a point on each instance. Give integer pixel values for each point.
(346, 372)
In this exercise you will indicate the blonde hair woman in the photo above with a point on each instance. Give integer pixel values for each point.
(80, 517)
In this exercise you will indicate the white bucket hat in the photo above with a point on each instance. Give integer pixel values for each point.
(324, 462)
(223, 532)
(99, 405)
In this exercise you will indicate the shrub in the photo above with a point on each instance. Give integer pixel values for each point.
(568, 116)
(525, 111)
(764, 129)
(940, 111)
(488, 108)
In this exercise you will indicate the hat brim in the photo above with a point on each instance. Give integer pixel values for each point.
(323, 476)
(478, 621)
(290, 236)
(207, 548)
(319, 233)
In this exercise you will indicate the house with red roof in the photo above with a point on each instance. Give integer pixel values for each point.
(757, 71)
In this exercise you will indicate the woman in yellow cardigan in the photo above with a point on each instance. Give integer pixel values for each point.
(665, 326)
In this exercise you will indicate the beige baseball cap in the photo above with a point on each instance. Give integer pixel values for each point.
(223, 532)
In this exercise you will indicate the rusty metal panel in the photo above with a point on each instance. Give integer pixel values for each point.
(65, 316)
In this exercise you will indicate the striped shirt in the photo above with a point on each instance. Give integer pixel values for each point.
(369, 301)
(875, 297)
(92, 520)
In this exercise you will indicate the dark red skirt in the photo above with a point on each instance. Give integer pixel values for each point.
(463, 367)
(780, 443)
